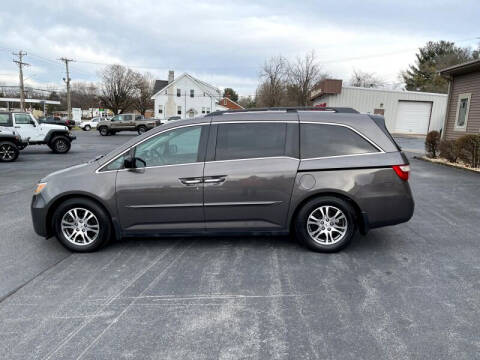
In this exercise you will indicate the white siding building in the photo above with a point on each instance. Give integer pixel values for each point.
(185, 96)
(405, 112)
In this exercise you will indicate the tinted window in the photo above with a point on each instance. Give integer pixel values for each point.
(178, 146)
(127, 117)
(5, 120)
(331, 140)
(243, 141)
(22, 119)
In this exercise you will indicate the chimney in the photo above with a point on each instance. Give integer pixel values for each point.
(171, 76)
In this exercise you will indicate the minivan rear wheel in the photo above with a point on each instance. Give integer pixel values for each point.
(325, 224)
(81, 225)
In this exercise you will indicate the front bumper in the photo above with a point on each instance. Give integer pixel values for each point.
(39, 215)
(71, 136)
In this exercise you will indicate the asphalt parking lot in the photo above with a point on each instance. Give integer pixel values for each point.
(407, 291)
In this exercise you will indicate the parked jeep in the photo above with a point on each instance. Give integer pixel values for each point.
(126, 122)
(10, 143)
(31, 132)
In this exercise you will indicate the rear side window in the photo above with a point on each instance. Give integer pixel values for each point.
(5, 120)
(319, 140)
(244, 141)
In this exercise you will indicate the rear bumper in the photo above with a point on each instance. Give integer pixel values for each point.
(39, 213)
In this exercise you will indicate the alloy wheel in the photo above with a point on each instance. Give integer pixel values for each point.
(327, 225)
(61, 145)
(80, 226)
(7, 152)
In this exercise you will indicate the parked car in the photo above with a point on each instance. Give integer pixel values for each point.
(320, 175)
(57, 137)
(10, 142)
(126, 122)
(90, 124)
(57, 120)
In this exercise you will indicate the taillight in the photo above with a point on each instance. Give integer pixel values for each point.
(402, 171)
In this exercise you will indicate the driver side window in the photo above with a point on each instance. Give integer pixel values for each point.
(22, 119)
(178, 146)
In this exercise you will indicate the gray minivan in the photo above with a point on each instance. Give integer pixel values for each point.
(319, 173)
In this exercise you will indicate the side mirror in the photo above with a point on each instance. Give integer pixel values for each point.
(33, 123)
(134, 163)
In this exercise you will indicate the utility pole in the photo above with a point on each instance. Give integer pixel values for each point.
(20, 64)
(67, 81)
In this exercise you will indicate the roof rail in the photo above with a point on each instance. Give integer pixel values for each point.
(289, 109)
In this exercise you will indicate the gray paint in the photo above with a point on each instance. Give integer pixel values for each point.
(253, 194)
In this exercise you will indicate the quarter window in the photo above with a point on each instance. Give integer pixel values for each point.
(318, 140)
(243, 141)
(117, 164)
(463, 108)
(178, 146)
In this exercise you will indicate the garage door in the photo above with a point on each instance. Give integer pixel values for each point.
(413, 117)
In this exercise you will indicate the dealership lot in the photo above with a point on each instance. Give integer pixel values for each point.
(408, 291)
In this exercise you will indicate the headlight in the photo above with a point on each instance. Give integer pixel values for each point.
(39, 188)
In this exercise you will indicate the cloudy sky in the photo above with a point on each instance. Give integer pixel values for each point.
(224, 42)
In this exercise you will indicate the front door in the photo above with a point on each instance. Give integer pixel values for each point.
(167, 194)
(249, 180)
(27, 127)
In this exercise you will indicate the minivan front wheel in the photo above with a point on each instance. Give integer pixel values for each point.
(81, 225)
(325, 224)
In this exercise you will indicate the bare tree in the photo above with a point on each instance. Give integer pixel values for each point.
(142, 100)
(271, 91)
(303, 74)
(84, 95)
(119, 87)
(364, 79)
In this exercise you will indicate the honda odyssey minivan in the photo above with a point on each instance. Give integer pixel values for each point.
(321, 174)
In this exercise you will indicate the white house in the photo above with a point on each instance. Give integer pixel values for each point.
(184, 96)
(405, 112)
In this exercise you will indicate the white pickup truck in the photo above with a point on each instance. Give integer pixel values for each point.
(57, 137)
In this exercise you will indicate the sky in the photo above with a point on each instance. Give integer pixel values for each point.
(224, 42)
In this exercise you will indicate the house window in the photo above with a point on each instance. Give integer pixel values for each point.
(160, 109)
(203, 110)
(192, 93)
(178, 92)
(463, 108)
(165, 92)
(179, 110)
(208, 110)
(225, 102)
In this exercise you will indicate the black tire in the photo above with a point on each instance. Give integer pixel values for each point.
(315, 207)
(87, 128)
(103, 130)
(60, 144)
(141, 129)
(8, 151)
(104, 231)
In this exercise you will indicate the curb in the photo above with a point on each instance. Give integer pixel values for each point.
(455, 166)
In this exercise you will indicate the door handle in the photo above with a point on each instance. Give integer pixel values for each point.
(191, 181)
(214, 180)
